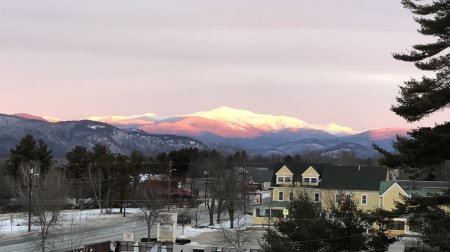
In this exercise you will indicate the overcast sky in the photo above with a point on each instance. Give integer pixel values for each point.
(320, 61)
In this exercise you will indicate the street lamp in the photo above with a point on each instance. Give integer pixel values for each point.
(205, 174)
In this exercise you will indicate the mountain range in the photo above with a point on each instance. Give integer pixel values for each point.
(61, 137)
(259, 134)
(262, 133)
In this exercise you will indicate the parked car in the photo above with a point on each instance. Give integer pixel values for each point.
(184, 218)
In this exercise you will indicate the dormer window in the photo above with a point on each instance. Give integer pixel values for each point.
(310, 177)
(284, 176)
(284, 179)
(310, 181)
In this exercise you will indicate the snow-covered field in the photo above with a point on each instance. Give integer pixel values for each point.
(19, 221)
(92, 217)
(241, 222)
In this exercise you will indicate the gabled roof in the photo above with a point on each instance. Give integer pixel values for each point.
(387, 185)
(297, 169)
(310, 172)
(284, 171)
(352, 177)
(339, 177)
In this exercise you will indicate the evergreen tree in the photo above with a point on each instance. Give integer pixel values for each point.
(426, 147)
(103, 165)
(348, 226)
(428, 216)
(28, 149)
(306, 229)
(419, 98)
(137, 164)
(44, 155)
(77, 170)
(379, 219)
(78, 160)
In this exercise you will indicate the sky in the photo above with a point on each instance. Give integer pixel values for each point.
(319, 61)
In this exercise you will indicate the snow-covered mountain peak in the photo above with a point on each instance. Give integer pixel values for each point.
(52, 119)
(338, 130)
(247, 118)
(132, 119)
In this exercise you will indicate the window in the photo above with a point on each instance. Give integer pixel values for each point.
(283, 179)
(262, 212)
(277, 213)
(313, 180)
(306, 180)
(291, 196)
(317, 197)
(280, 196)
(363, 199)
(339, 197)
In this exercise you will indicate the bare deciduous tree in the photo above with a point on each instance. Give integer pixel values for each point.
(47, 201)
(233, 193)
(73, 224)
(238, 235)
(152, 203)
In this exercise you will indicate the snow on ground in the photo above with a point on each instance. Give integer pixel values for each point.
(241, 222)
(77, 217)
(19, 225)
(93, 216)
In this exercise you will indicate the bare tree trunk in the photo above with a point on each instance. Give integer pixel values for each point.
(149, 228)
(220, 209)
(100, 191)
(231, 213)
(108, 200)
(211, 205)
(99, 202)
(197, 216)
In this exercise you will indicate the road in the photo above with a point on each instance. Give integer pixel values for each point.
(105, 231)
(64, 240)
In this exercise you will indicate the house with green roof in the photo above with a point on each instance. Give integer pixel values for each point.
(324, 184)
(393, 191)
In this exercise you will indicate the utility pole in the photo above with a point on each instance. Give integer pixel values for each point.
(29, 197)
(30, 188)
(206, 173)
(124, 204)
(170, 171)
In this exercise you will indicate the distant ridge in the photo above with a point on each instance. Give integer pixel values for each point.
(223, 121)
(28, 116)
(63, 136)
(260, 134)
